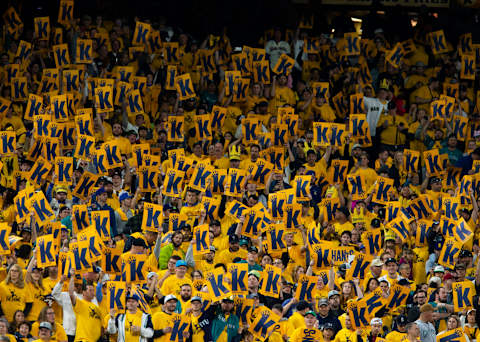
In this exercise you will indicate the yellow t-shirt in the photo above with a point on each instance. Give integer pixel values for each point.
(172, 285)
(340, 228)
(197, 332)
(346, 335)
(38, 303)
(226, 257)
(391, 134)
(130, 320)
(13, 298)
(395, 336)
(304, 335)
(161, 320)
(295, 321)
(89, 321)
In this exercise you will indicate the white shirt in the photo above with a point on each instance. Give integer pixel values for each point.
(63, 299)
(374, 107)
(275, 50)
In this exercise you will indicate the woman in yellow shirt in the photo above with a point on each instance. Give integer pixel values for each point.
(14, 295)
(34, 284)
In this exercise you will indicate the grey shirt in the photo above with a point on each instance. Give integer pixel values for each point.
(427, 331)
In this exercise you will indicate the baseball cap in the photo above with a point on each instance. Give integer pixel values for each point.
(439, 268)
(134, 297)
(328, 325)
(253, 249)
(254, 273)
(356, 146)
(377, 262)
(212, 249)
(139, 242)
(252, 296)
(322, 301)
(402, 320)
(150, 275)
(45, 325)
(233, 239)
(123, 196)
(196, 298)
(311, 313)
(228, 299)
(436, 180)
(170, 297)
(447, 276)
(389, 260)
(376, 320)
(333, 293)
(180, 263)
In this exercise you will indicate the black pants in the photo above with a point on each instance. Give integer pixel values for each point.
(71, 338)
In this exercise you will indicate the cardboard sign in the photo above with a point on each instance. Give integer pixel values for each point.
(111, 262)
(64, 169)
(202, 240)
(41, 208)
(239, 278)
(84, 53)
(438, 42)
(264, 323)
(175, 128)
(19, 89)
(42, 28)
(80, 218)
(61, 55)
(467, 71)
(45, 251)
(432, 162)
(184, 87)
(116, 295)
(8, 143)
(284, 65)
(352, 44)
(306, 284)
(463, 293)
(152, 216)
(141, 34)
(85, 185)
(134, 103)
(133, 268)
(4, 238)
(235, 182)
(358, 313)
(217, 287)
(173, 183)
(271, 281)
(65, 13)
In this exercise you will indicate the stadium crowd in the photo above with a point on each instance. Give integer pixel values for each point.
(314, 187)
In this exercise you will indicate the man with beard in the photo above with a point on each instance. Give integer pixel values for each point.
(123, 143)
(173, 248)
(225, 324)
(326, 316)
(220, 241)
(419, 299)
(172, 285)
(441, 308)
(162, 320)
(185, 296)
(334, 302)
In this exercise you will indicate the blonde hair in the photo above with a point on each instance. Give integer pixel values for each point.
(20, 283)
